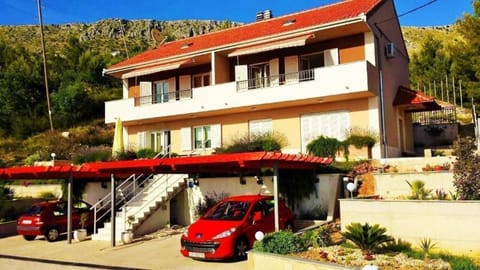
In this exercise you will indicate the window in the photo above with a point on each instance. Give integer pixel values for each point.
(330, 124)
(259, 75)
(201, 80)
(258, 127)
(158, 141)
(202, 137)
(160, 92)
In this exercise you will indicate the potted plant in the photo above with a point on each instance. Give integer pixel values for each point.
(127, 235)
(81, 234)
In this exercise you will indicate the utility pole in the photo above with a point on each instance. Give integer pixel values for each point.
(45, 73)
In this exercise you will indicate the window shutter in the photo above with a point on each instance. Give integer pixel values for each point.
(331, 57)
(291, 68)
(145, 89)
(141, 140)
(274, 70)
(216, 135)
(241, 73)
(186, 138)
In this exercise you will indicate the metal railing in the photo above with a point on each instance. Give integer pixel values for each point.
(445, 115)
(128, 188)
(164, 98)
(160, 186)
(276, 80)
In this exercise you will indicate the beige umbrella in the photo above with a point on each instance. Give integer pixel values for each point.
(117, 147)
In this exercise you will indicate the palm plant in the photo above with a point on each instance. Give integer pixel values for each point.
(368, 238)
(419, 192)
(427, 245)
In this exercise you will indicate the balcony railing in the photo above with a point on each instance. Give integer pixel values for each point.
(164, 98)
(276, 80)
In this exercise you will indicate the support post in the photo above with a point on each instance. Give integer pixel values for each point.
(69, 208)
(112, 209)
(275, 194)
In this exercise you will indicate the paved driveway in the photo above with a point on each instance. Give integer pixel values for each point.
(158, 253)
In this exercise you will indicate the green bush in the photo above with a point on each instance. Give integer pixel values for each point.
(92, 154)
(146, 153)
(319, 237)
(419, 192)
(325, 147)
(258, 142)
(282, 242)
(368, 238)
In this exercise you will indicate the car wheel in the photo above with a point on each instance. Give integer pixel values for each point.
(288, 227)
(52, 234)
(241, 247)
(29, 237)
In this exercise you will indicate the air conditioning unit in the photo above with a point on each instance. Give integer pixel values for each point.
(390, 50)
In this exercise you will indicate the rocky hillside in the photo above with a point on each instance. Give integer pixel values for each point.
(110, 35)
(134, 36)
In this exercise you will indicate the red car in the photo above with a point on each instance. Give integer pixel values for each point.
(228, 229)
(50, 219)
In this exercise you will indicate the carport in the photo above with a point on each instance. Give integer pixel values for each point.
(233, 162)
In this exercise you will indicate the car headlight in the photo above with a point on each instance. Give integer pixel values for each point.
(226, 233)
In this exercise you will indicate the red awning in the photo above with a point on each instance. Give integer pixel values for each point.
(235, 162)
(414, 101)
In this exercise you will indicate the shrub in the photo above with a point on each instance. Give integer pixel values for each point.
(258, 142)
(146, 153)
(324, 147)
(368, 238)
(282, 242)
(91, 154)
(419, 192)
(466, 170)
(319, 237)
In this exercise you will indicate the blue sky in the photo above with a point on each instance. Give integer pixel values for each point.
(19, 12)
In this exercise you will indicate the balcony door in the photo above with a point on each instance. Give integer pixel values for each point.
(160, 92)
(259, 75)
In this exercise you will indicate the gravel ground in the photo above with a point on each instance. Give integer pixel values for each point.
(355, 258)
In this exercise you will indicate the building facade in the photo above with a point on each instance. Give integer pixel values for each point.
(323, 71)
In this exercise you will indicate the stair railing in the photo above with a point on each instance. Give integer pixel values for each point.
(160, 190)
(127, 188)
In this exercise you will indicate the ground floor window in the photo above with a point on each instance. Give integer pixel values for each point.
(202, 137)
(331, 124)
(258, 127)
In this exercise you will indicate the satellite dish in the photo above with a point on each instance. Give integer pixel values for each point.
(157, 36)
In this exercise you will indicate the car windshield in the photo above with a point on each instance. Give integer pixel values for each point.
(34, 210)
(231, 210)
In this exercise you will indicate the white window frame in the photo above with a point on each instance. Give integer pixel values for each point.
(202, 77)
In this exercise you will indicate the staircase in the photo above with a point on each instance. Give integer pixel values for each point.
(140, 197)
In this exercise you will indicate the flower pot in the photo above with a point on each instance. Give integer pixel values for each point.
(127, 237)
(80, 234)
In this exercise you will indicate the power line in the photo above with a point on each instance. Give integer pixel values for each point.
(409, 11)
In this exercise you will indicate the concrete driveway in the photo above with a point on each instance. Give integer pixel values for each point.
(157, 253)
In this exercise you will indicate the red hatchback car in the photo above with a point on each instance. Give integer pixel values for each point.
(228, 229)
(50, 219)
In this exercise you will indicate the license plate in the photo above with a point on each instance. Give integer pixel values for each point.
(26, 222)
(196, 255)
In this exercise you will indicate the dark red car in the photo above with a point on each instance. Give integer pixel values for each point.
(50, 219)
(228, 229)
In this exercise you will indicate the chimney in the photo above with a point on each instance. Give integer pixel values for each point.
(263, 15)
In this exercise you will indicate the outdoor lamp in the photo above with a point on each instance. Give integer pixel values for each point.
(53, 155)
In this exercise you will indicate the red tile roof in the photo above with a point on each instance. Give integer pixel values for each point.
(415, 100)
(343, 10)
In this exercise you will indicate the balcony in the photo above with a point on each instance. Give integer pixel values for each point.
(359, 78)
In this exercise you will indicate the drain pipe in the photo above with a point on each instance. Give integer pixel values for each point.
(382, 97)
(112, 209)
